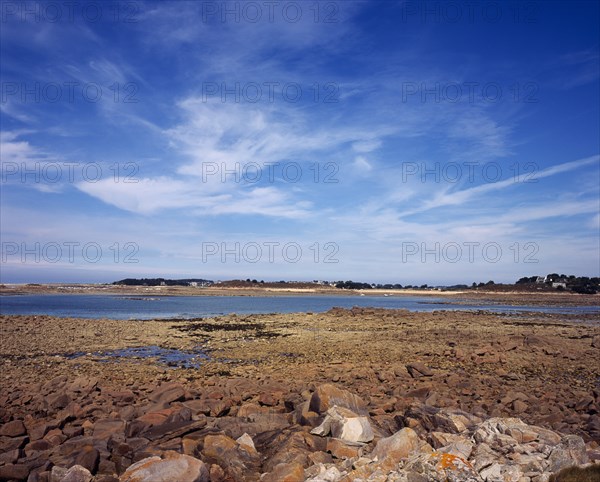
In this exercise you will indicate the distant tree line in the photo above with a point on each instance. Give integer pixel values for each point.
(162, 282)
(357, 285)
(353, 285)
(577, 284)
(480, 285)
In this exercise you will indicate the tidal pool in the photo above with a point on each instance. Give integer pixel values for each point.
(164, 356)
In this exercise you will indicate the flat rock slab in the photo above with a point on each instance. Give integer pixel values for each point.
(173, 467)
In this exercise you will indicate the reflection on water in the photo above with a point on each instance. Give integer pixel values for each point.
(183, 307)
(164, 356)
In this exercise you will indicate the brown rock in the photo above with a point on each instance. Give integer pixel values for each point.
(418, 370)
(12, 443)
(293, 472)
(172, 430)
(580, 406)
(55, 437)
(59, 401)
(37, 446)
(145, 422)
(89, 458)
(14, 472)
(326, 396)
(189, 446)
(172, 467)
(304, 416)
(286, 448)
(398, 446)
(83, 385)
(320, 458)
(198, 406)
(261, 419)
(73, 431)
(16, 428)
(342, 450)
(10, 457)
(105, 478)
(270, 399)
(37, 430)
(120, 397)
(109, 428)
(250, 410)
(168, 393)
(217, 474)
(234, 458)
(519, 406)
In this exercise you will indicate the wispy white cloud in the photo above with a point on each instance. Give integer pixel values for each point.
(578, 68)
(149, 196)
(362, 164)
(453, 198)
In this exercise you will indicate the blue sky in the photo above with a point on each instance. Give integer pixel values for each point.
(411, 142)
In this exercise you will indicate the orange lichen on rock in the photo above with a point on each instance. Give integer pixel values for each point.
(449, 461)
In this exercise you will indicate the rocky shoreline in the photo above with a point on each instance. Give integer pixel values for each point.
(361, 394)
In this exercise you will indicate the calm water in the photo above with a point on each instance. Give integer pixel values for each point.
(150, 307)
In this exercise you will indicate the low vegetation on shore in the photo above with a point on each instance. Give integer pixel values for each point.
(550, 282)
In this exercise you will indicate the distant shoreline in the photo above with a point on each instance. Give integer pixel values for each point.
(500, 297)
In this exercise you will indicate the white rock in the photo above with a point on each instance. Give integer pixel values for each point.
(344, 424)
(331, 474)
(173, 466)
(77, 473)
(398, 446)
(247, 441)
(501, 473)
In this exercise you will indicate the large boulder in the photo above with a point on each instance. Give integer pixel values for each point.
(344, 424)
(14, 472)
(510, 431)
(570, 451)
(16, 428)
(172, 466)
(429, 419)
(239, 460)
(398, 446)
(168, 393)
(326, 396)
(293, 472)
(77, 473)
